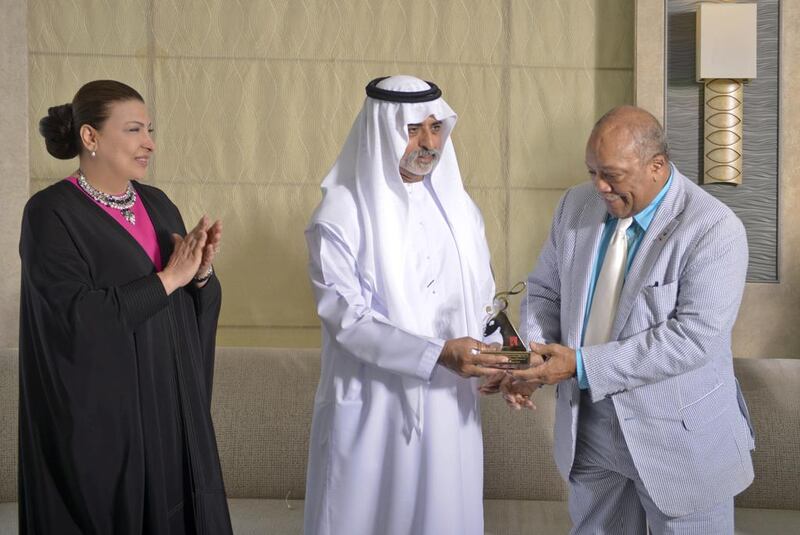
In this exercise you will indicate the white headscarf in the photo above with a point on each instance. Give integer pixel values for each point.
(365, 204)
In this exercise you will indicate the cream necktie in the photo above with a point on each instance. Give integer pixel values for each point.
(608, 287)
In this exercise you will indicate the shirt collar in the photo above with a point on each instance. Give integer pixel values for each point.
(645, 217)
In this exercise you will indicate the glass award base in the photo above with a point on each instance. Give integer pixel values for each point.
(518, 359)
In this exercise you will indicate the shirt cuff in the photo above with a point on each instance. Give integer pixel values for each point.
(429, 358)
(583, 381)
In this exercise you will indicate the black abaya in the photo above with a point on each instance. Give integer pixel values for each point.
(115, 429)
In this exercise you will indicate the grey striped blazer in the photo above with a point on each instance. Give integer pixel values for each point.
(669, 370)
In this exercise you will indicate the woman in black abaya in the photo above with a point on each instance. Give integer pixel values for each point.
(119, 311)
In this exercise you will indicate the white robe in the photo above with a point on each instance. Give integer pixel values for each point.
(365, 475)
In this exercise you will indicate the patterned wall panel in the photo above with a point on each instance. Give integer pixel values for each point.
(252, 101)
(756, 200)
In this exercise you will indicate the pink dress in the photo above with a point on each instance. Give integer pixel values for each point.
(143, 231)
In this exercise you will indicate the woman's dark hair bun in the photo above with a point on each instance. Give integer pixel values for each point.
(90, 106)
(59, 133)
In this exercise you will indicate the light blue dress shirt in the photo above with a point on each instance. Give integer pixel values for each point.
(635, 234)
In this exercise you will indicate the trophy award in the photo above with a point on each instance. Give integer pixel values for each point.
(518, 355)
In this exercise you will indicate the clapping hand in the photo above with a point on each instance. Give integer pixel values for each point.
(187, 253)
(211, 247)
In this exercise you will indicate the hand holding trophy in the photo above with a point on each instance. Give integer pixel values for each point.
(519, 358)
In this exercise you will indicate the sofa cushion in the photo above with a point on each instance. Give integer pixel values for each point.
(261, 407)
(771, 388)
(260, 393)
(518, 450)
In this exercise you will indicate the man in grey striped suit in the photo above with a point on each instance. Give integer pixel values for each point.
(631, 305)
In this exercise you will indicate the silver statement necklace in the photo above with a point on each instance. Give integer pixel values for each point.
(123, 202)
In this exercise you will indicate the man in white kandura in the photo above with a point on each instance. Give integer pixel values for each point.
(400, 269)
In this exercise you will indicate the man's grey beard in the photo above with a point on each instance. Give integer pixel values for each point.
(410, 163)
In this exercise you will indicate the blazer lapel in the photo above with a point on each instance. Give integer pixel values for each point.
(587, 241)
(666, 220)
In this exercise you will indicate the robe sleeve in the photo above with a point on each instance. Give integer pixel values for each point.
(61, 276)
(207, 303)
(360, 331)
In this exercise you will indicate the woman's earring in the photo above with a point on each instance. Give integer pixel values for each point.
(94, 154)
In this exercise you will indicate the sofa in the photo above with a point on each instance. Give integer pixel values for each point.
(262, 407)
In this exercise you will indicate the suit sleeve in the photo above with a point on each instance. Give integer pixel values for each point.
(698, 322)
(360, 331)
(540, 310)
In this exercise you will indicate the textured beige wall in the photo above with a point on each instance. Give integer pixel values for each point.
(770, 314)
(768, 320)
(14, 160)
(649, 56)
(252, 102)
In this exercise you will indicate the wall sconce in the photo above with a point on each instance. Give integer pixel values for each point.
(726, 58)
